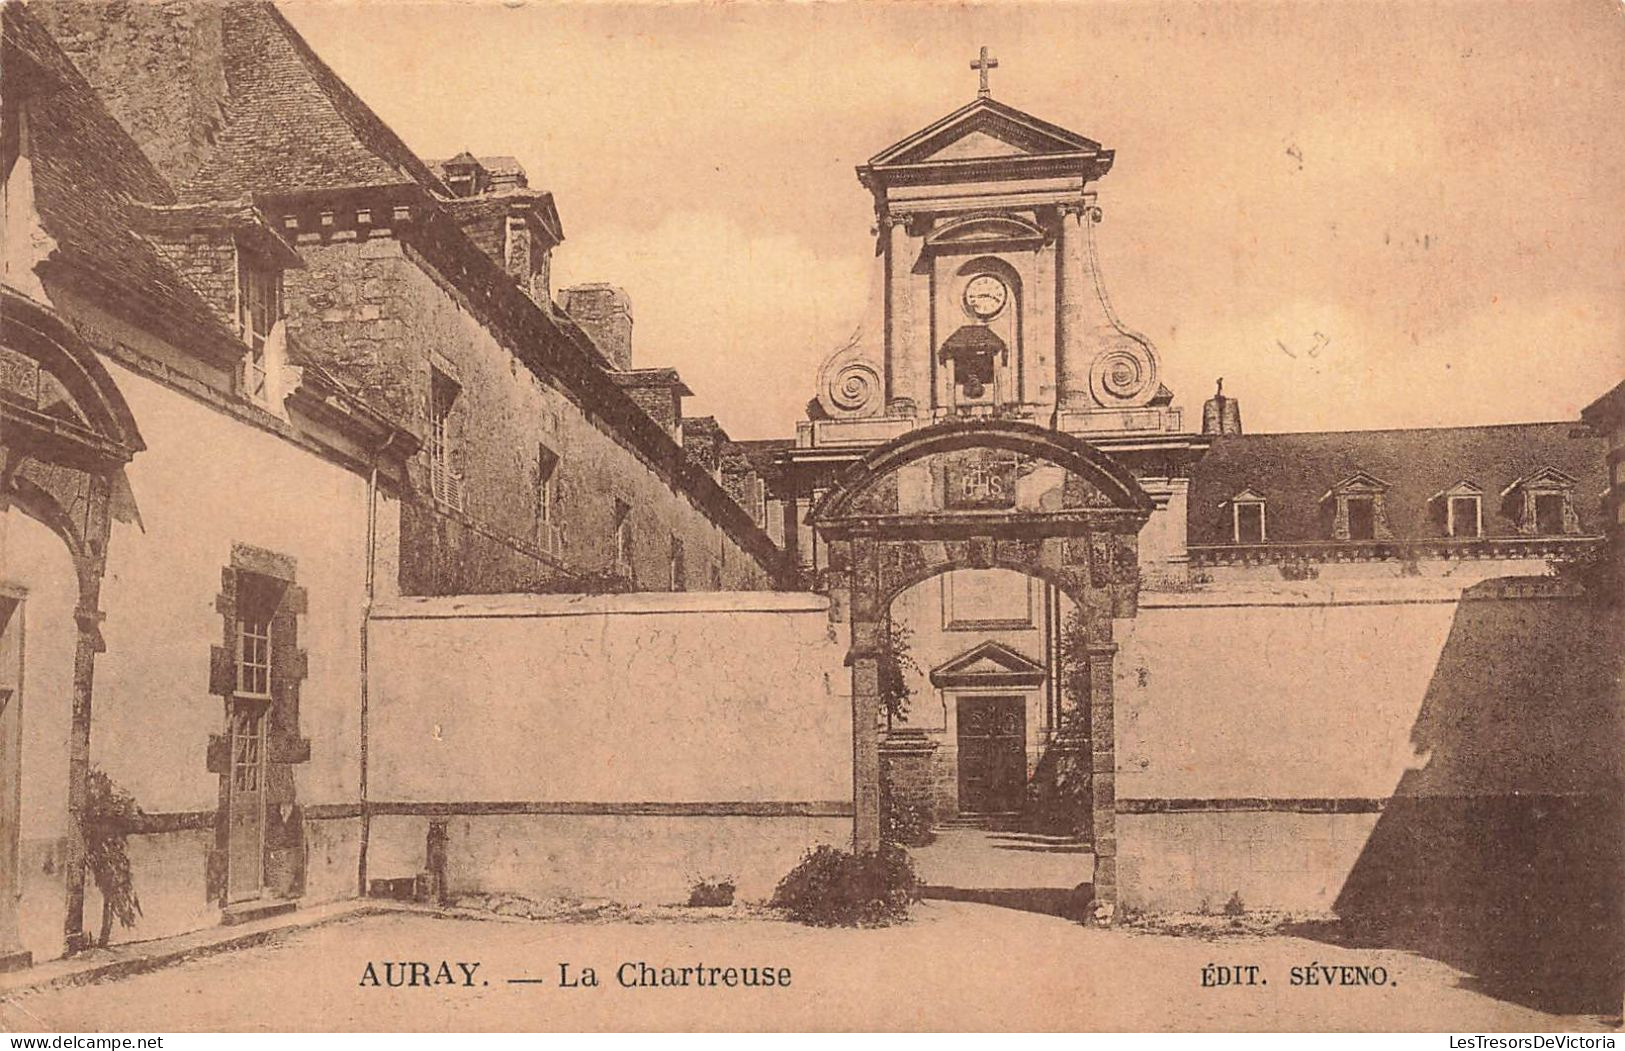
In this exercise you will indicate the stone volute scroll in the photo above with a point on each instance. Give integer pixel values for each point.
(850, 385)
(1116, 366)
(1125, 372)
(852, 379)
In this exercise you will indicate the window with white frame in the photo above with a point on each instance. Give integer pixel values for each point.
(259, 308)
(445, 482)
(1464, 516)
(257, 599)
(1247, 518)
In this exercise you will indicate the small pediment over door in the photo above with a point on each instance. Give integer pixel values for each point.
(989, 664)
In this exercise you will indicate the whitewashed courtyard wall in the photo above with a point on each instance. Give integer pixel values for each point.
(616, 746)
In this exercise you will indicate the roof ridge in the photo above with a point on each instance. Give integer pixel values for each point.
(1397, 430)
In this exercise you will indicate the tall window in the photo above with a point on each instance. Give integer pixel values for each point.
(259, 307)
(1549, 513)
(257, 599)
(548, 536)
(1463, 517)
(678, 568)
(623, 539)
(1248, 521)
(1362, 518)
(444, 480)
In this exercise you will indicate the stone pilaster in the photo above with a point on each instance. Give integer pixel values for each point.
(901, 368)
(1071, 289)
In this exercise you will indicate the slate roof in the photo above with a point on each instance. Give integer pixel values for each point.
(90, 180)
(1294, 471)
(291, 124)
(761, 452)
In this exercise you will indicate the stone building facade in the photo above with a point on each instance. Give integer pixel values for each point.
(263, 367)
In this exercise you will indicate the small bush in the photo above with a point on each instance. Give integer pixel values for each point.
(905, 823)
(831, 887)
(712, 893)
(1234, 907)
(1298, 569)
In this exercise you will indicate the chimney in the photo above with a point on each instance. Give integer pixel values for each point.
(1221, 415)
(605, 313)
(659, 393)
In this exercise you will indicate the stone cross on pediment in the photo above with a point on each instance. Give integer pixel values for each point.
(982, 65)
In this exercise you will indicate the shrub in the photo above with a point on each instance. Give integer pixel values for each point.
(905, 822)
(831, 887)
(1234, 907)
(1298, 569)
(712, 893)
(108, 816)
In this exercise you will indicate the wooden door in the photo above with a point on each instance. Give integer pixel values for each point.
(245, 853)
(992, 754)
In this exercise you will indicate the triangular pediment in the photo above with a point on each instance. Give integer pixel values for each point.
(1461, 488)
(989, 664)
(984, 130)
(1246, 496)
(1360, 483)
(1547, 478)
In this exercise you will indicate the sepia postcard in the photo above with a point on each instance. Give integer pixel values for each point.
(814, 517)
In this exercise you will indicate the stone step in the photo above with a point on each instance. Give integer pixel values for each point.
(249, 911)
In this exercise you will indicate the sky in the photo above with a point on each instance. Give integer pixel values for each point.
(1361, 215)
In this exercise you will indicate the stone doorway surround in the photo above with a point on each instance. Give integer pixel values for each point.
(979, 494)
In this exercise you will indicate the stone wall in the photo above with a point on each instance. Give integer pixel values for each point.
(1435, 761)
(378, 317)
(155, 712)
(614, 746)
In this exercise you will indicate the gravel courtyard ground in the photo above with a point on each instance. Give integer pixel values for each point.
(955, 966)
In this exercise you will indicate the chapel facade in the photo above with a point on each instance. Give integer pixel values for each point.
(1021, 624)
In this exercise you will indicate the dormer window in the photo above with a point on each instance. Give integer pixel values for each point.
(259, 308)
(1458, 511)
(1542, 503)
(1247, 518)
(1355, 508)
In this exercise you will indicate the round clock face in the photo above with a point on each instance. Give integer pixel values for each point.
(985, 296)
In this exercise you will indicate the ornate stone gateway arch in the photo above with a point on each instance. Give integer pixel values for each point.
(977, 494)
